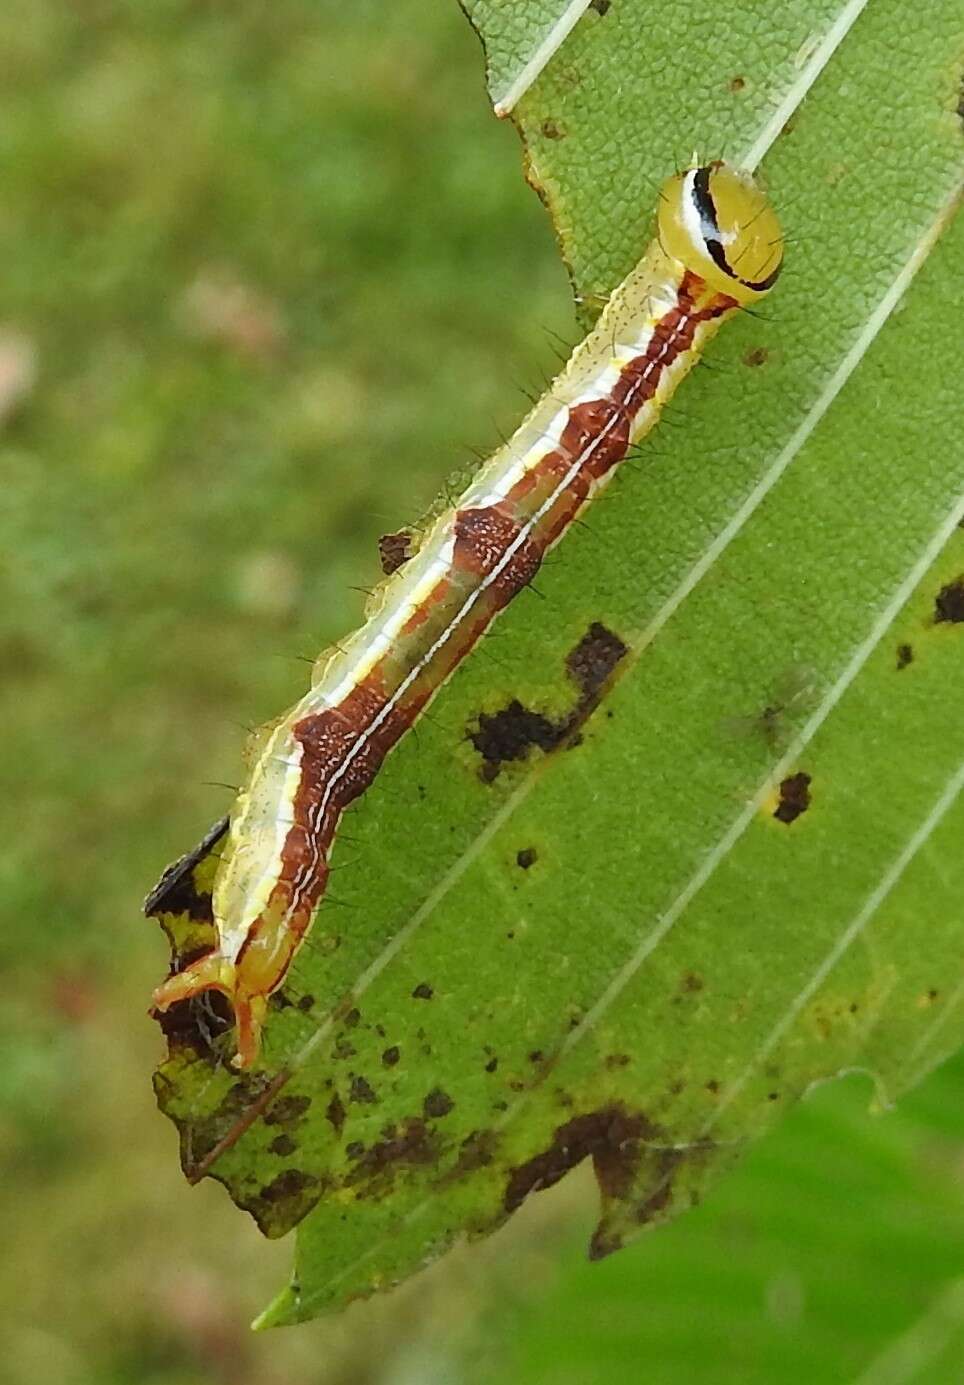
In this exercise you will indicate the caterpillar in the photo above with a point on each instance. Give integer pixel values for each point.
(718, 249)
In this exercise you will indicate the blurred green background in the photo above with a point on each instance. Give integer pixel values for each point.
(269, 271)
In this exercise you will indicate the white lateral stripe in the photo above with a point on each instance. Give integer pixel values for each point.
(553, 39)
(743, 819)
(794, 95)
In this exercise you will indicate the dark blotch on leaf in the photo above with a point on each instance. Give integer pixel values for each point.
(282, 1144)
(410, 1144)
(477, 1152)
(289, 1186)
(437, 1104)
(610, 1137)
(512, 732)
(949, 603)
(594, 658)
(335, 1113)
(905, 656)
(306, 1003)
(423, 991)
(492, 1064)
(391, 1056)
(287, 1110)
(758, 356)
(361, 1091)
(526, 857)
(794, 798)
(510, 735)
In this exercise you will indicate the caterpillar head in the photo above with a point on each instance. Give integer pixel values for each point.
(717, 222)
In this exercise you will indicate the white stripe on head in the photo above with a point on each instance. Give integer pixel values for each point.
(690, 212)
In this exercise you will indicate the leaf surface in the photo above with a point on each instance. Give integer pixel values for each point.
(739, 872)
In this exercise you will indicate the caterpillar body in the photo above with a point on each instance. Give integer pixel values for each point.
(718, 249)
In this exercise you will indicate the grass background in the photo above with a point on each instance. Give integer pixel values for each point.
(268, 271)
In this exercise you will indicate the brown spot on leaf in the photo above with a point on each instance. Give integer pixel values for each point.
(692, 981)
(794, 798)
(283, 1145)
(737, 84)
(423, 991)
(394, 550)
(287, 1111)
(617, 1060)
(526, 857)
(477, 1151)
(949, 603)
(408, 1144)
(492, 1064)
(594, 658)
(509, 735)
(335, 1113)
(609, 1136)
(391, 1056)
(437, 1104)
(361, 1091)
(551, 129)
(757, 356)
(905, 656)
(601, 7)
(284, 1201)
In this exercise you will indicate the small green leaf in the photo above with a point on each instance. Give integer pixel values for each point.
(738, 873)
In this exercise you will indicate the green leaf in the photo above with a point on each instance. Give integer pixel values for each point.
(739, 872)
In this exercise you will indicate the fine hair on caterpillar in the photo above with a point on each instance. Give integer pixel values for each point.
(717, 251)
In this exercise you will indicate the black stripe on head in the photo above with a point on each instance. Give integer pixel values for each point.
(709, 225)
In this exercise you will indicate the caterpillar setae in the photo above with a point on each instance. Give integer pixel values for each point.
(718, 249)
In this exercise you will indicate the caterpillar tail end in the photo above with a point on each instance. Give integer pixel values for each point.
(212, 972)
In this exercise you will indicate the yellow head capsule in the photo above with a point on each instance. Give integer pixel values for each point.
(716, 221)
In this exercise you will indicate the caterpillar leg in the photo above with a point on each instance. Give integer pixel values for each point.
(212, 972)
